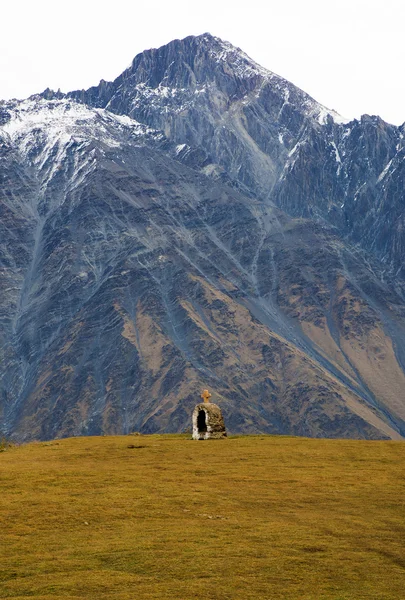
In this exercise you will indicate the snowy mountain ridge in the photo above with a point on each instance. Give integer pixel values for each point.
(64, 120)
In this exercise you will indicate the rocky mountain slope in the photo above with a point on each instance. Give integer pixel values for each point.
(199, 222)
(269, 137)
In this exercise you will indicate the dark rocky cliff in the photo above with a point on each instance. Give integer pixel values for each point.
(199, 222)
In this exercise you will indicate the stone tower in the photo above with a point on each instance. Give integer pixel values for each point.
(208, 422)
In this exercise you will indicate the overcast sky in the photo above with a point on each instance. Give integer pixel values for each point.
(349, 55)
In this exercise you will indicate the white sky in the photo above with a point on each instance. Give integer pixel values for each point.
(348, 54)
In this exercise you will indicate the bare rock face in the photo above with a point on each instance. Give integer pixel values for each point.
(208, 422)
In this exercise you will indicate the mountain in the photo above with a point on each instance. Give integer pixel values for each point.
(269, 138)
(199, 222)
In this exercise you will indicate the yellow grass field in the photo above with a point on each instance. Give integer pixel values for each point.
(249, 517)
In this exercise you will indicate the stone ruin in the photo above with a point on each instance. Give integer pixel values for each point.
(208, 422)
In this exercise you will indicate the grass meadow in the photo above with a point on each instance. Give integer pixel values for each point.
(250, 517)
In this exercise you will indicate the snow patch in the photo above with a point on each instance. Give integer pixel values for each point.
(384, 171)
(294, 149)
(64, 119)
(324, 114)
(337, 155)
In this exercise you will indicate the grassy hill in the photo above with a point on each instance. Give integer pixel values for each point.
(248, 517)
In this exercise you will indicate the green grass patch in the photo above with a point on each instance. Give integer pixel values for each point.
(248, 517)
